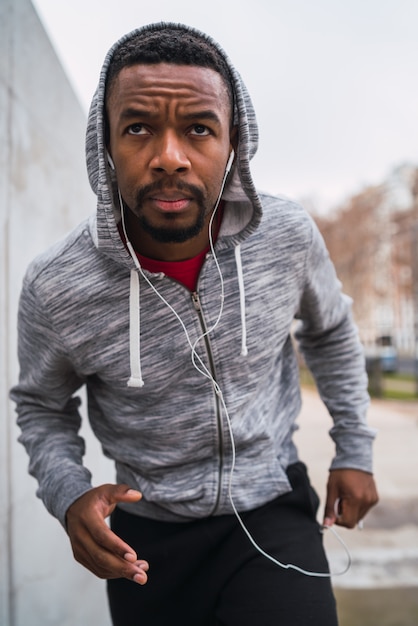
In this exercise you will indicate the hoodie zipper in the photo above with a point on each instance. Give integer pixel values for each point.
(198, 308)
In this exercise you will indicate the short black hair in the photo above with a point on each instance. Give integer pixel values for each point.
(169, 44)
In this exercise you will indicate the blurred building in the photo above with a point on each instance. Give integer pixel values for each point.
(373, 242)
(44, 192)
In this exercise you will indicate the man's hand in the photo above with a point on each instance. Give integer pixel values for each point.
(350, 495)
(94, 545)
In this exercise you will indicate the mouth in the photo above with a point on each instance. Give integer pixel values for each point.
(169, 204)
(175, 200)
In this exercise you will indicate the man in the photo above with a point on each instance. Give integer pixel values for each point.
(174, 305)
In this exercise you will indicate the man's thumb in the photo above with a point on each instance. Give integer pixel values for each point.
(124, 493)
(331, 509)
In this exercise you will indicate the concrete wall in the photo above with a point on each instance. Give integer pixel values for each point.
(43, 193)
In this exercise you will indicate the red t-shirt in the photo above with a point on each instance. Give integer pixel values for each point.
(185, 272)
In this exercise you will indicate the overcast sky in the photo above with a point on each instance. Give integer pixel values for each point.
(334, 82)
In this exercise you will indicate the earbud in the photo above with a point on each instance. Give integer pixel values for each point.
(110, 161)
(230, 161)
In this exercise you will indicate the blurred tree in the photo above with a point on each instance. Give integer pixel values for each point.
(373, 241)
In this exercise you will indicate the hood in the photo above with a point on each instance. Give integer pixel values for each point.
(243, 211)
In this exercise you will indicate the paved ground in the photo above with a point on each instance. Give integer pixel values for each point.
(385, 553)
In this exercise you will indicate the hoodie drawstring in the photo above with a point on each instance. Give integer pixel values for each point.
(136, 379)
(135, 332)
(244, 349)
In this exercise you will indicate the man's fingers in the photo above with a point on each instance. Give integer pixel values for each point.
(348, 512)
(350, 495)
(106, 559)
(331, 507)
(94, 544)
(104, 537)
(107, 565)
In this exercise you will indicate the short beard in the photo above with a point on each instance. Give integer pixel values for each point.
(167, 234)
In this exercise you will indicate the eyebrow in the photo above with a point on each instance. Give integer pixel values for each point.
(132, 112)
(207, 114)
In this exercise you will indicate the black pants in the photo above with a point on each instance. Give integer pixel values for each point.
(207, 573)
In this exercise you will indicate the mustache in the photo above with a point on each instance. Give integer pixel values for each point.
(160, 185)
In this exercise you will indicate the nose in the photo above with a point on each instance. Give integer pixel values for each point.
(170, 156)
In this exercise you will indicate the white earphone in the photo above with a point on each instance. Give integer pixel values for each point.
(230, 161)
(110, 161)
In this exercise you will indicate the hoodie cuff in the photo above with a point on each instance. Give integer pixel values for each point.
(60, 493)
(354, 452)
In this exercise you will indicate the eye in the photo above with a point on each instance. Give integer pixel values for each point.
(137, 129)
(200, 130)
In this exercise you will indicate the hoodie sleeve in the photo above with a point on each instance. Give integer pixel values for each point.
(329, 342)
(47, 409)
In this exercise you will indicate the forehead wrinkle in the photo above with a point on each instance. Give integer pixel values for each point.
(168, 87)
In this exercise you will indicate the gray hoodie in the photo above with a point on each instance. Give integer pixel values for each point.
(174, 393)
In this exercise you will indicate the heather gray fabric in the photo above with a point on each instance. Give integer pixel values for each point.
(170, 438)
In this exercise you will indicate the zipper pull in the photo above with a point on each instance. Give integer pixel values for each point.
(196, 301)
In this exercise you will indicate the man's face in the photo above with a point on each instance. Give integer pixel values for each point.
(170, 139)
